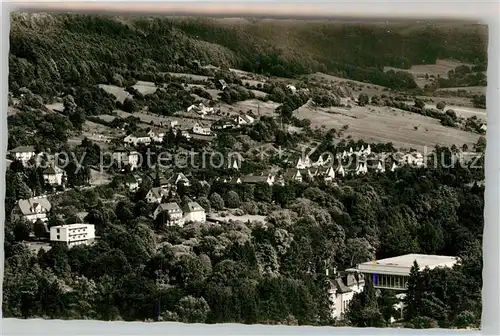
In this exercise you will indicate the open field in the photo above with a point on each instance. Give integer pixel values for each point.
(384, 124)
(471, 89)
(55, 107)
(160, 120)
(441, 69)
(119, 93)
(256, 106)
(106, 117)
(370, 89)
(191, 76)
(465, 112)
(97, 133)
(145, 87)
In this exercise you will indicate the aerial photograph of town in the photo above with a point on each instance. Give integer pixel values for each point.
(245, 170)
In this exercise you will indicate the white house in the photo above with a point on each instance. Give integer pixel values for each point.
(137, 138)
(193, 212)
(303, 163)
(292, 88)
(155, 195)
(361, 168)
(32, 209)
(73, 234)
(327, 174)
(380, 167)
(201, 130)
(174, 212)
(23, 153)
(186, 135)
(156, 135)
(342, 290)
(415, 159)
(126, 157)
(293, 175)
(132, 182)
(323, 160)
(340, 170)
(244, 120)
(201, 109)
(53, 175)
(255, 179)
(182, 178)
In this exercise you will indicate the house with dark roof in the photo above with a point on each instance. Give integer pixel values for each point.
(180, 177)
(292, 175)
(23, 153)
(137, 138)
(193, 212)
(32, 209)
(155, 195)
(256, 179)
(53, 175)
(342, 290)
(132, 182)
(174, 212)
(221, 84)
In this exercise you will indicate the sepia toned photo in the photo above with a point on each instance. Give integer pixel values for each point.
(245, 170)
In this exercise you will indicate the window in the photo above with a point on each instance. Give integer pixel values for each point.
(58, 237)
(58, 230)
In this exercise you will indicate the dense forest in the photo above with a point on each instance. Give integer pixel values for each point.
(49, 50)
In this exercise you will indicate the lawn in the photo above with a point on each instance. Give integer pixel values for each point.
(384, 124)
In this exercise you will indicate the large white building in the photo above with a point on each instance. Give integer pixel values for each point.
(193, 212)
(393, 273)
(73, 234)
(174, 212)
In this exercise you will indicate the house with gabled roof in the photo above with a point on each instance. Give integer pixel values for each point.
(155, 195)
(174, 211)
(201, 129)
(132, 182)
(32, 209)
(23, 153)
(156, 134)
(326, 173)
(340, 170)
(180, 177)
(244, 120)
(293, 175)
(303, 162)
(140, 137)
(53, 175)
(380, 167)
(193, 212)
(361, 168)
(200, 109)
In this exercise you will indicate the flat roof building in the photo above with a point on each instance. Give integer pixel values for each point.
(393, 273)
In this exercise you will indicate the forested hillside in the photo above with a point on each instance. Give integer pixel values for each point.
(49, 50)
